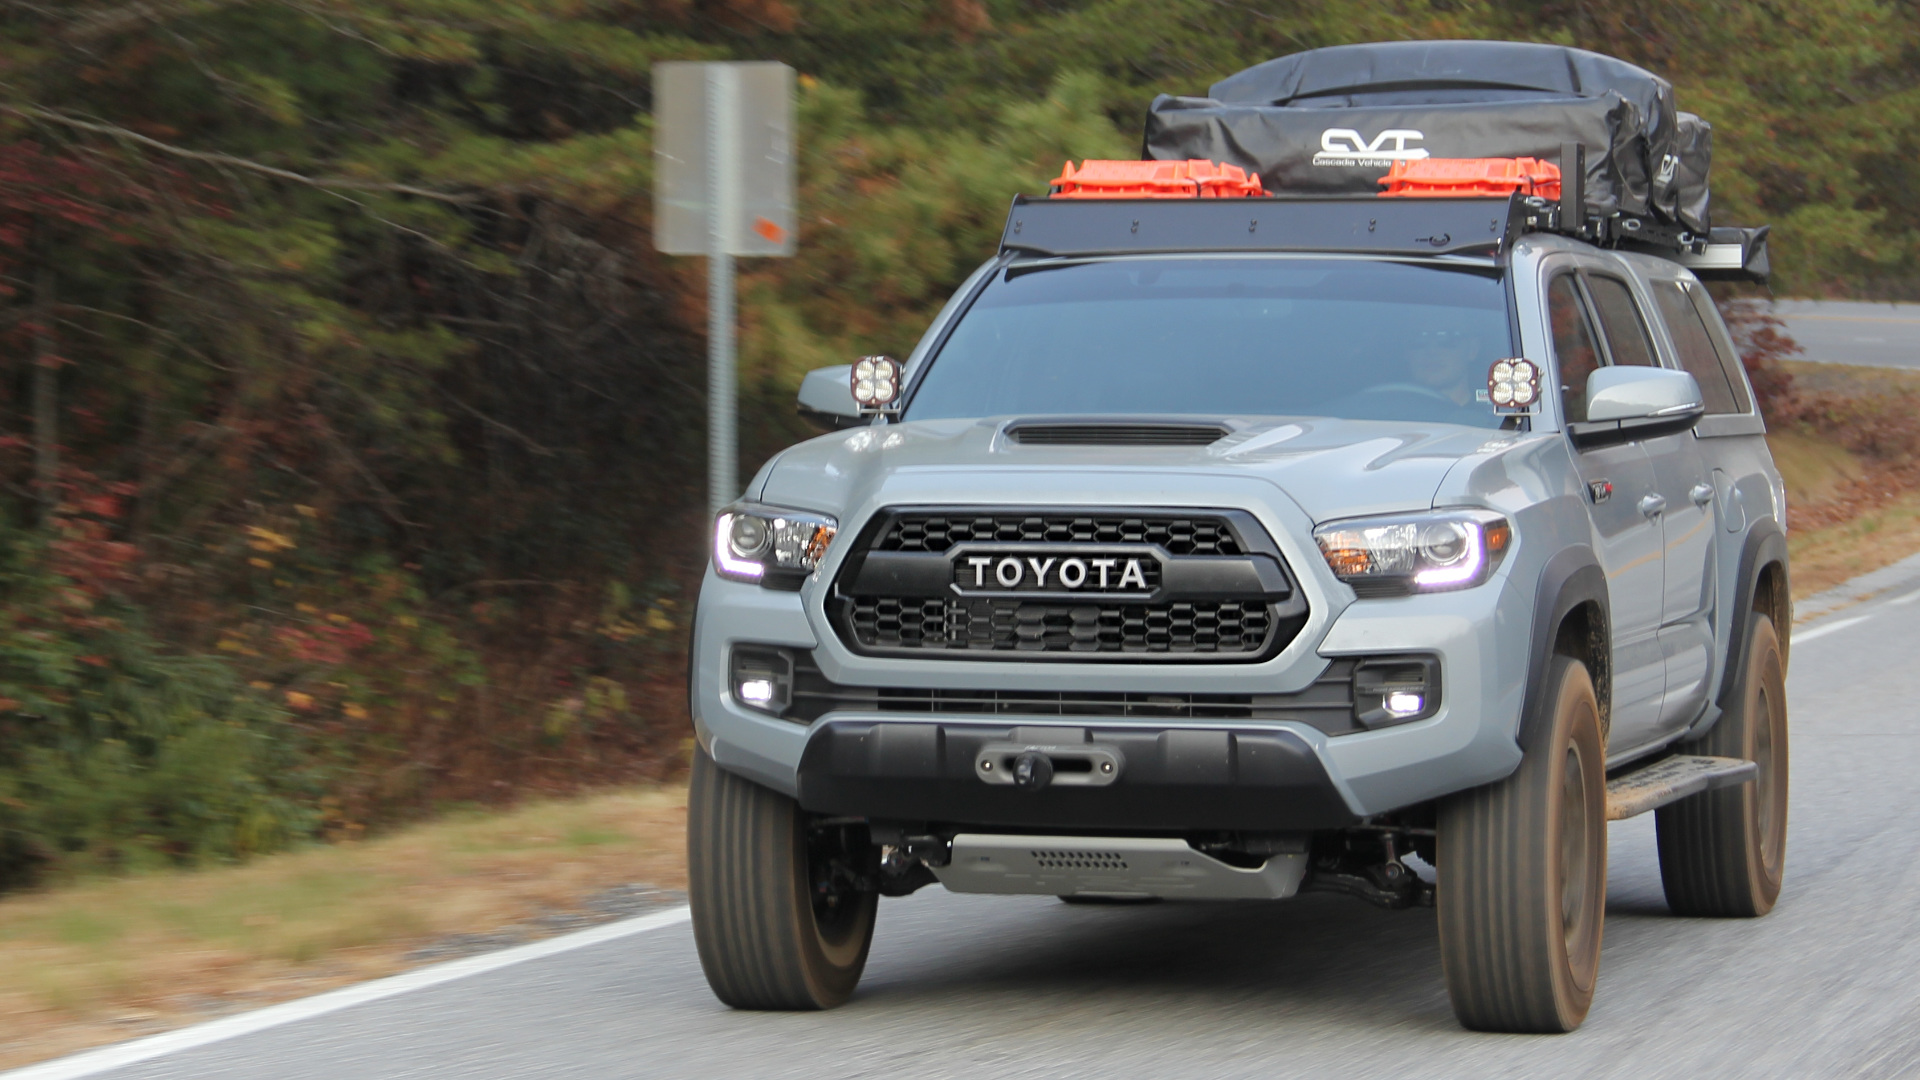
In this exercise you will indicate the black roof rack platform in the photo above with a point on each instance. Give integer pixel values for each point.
(1437, 226)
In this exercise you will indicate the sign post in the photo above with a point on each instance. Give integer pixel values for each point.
(723, 187)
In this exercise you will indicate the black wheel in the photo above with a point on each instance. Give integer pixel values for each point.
(1522, 885)
(776, 918)
(1723, 853)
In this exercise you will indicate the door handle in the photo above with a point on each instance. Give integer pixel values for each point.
(1652, 505)
(1702, 493)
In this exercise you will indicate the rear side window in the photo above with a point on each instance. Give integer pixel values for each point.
(1697, 351)
(1722, 345)
(1573, 346)
(1620, 320)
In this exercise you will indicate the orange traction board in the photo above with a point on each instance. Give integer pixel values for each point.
(1473, 176)
(1196, 179)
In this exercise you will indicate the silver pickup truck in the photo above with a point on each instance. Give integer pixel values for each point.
(1220, 549)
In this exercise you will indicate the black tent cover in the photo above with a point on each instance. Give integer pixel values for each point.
(1331, 121)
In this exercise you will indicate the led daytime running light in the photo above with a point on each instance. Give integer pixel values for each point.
(723, 556)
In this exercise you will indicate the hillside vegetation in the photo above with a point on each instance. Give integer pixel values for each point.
(351, 439)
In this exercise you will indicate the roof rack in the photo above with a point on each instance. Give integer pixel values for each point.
(1433, 224)
(1440, 226)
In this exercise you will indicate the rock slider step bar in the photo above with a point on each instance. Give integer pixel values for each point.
(1671, 779)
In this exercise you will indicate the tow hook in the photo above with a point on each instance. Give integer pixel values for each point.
(1032, 771)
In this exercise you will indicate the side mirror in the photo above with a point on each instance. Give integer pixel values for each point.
(1628, 403)
(824, 397)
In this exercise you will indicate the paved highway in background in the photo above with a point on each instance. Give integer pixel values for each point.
(1850, 332)
(1319, 986)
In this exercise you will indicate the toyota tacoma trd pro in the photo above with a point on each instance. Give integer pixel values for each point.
(1218, 545)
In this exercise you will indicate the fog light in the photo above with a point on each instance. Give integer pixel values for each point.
(1391, 690)
(1399, 703)
(762, 678)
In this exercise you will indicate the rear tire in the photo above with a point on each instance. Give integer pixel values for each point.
(1522, 884)
(773, 929)
(1723, 853)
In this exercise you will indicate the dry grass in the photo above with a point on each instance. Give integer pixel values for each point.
(1826, 556)
(1848, 515)
(98, 961)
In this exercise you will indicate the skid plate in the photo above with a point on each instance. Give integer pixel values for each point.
(1673, 778)
(1105, 866)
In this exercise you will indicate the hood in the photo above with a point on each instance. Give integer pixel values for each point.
(1330, 468)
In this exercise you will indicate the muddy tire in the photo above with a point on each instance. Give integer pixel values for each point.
(771, 930)
(1723, 853)
(1522, 884)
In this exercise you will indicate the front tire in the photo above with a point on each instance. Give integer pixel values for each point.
(1723, 853)
(1522, 885)
(774, 926)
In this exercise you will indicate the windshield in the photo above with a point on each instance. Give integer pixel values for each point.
(1349, 338)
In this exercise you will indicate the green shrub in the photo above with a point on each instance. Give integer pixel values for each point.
(114, 755)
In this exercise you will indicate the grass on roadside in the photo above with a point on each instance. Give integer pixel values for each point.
(99, 960)
(1848, 514)
(1827, 556)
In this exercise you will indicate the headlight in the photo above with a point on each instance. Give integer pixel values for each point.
(770, 545)
(1417, 553)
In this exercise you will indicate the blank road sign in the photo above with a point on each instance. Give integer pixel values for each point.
(723, 133)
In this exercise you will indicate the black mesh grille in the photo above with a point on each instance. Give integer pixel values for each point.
(1197, 626)
(1180, 535)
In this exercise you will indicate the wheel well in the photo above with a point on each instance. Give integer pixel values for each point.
(1772, 598)
(1582, 635)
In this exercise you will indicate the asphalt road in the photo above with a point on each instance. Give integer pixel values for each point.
(1849, 332)
(1318, 986)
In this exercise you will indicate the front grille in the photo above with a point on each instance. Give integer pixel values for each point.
(1205, 586)
(1190, 534)
(1327, 703)
(1027, 626)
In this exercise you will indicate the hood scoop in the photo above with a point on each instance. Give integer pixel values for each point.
(1114, 433)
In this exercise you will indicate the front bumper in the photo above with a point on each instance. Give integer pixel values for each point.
(829, 764)
(1195, 778)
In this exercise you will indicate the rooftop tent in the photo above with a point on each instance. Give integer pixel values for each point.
(1332, 121)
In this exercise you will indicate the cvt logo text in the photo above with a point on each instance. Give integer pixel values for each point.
(1346, 147)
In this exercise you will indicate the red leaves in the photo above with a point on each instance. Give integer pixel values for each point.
(323, 643)
(83, 549)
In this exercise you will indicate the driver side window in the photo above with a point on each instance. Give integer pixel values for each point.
(1573, 346)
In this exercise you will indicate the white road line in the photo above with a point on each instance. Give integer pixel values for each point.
(1907, 599)
(1798, 639)
(95, 1062)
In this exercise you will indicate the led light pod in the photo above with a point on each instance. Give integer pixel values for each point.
(1513, 385)
(875, 381)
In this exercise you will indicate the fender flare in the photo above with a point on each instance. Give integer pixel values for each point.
(1571, 577)
(1765, 545)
